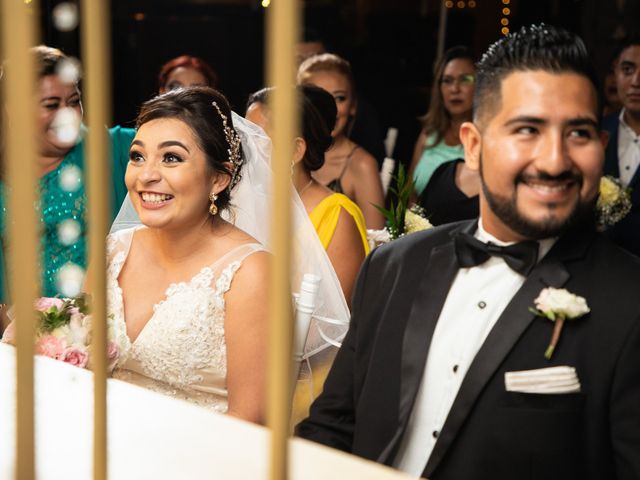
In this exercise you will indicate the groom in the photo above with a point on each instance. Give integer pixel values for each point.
(443, 372)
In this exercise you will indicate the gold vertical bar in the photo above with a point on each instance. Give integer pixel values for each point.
(96, 59)
(282, 30)
(18, 35)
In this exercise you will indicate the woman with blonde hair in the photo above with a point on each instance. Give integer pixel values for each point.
(348, 168)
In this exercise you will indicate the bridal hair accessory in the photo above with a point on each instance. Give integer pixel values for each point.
(233, 139)
(558, 305)
(213, 208)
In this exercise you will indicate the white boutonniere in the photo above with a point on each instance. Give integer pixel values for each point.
(558, 305)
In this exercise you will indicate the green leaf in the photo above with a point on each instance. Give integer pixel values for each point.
(402, 187)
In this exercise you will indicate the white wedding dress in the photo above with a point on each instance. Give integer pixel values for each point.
(181, 351)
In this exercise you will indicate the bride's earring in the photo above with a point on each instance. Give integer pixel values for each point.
(213, 209)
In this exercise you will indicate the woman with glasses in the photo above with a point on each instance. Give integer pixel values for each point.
(447, 189)
(451, 104)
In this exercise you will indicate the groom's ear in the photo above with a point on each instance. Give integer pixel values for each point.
(472, 142)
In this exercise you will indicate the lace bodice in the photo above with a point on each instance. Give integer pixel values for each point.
(181, 351)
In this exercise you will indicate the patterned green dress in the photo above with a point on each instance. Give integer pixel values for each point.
(62, 207)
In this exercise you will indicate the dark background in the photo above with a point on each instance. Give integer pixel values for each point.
(390, 43)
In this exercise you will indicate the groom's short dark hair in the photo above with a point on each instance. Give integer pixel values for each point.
(536, 47)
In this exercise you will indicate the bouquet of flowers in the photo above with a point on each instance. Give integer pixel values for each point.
(63, 332)
(614, 202)
(402, 219)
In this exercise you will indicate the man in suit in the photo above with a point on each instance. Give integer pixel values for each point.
(440, 317)
(622, 157)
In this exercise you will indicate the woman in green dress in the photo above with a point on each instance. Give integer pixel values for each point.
(61, 162)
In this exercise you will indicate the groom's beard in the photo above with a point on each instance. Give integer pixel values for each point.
(506, 209)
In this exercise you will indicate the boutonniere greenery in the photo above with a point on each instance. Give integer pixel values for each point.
(401, 219)
(558, 305)
(614, 202)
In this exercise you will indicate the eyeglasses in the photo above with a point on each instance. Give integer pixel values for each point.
(463, 80)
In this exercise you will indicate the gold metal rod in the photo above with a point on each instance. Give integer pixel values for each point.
(18, 35)
(96, 60)
(282, 29)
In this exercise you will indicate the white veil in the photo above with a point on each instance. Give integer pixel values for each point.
(250, 210)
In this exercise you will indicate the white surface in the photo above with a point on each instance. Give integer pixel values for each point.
(150, 436)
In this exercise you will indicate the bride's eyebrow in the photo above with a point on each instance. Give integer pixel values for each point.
(173, 143)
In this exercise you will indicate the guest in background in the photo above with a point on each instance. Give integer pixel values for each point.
(61, 163)
(186, 71)
(623, 149)
(337, 220)
(610, 100)
(451, 105)
(452, 193)
(364, 128)
(348, 168)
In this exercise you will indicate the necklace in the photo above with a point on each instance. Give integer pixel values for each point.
(302, 190)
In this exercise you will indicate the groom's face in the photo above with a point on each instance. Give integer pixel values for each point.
(539, 154)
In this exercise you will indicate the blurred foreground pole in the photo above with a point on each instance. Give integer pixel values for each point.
(282, 31)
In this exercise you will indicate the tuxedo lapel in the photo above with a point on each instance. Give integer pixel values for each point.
(513, 321)
(425, 310)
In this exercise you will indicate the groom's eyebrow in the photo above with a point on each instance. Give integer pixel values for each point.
(173, 143)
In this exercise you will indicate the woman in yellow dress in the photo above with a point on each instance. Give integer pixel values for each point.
(337, 219)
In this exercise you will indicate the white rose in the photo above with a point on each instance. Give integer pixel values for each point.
(559, 301)
(378, 237)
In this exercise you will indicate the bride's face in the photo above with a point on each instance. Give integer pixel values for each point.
(167, 175)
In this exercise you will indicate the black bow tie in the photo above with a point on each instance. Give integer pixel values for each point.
(521, 256)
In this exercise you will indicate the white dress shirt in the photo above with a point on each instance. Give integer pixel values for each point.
(628, 151)
(476, 299)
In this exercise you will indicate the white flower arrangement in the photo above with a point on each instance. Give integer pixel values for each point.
(558, 305)
(401, 219)
(414, 221)
(614, 202)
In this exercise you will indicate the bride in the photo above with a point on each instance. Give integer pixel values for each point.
(189, 286)
(191, 280)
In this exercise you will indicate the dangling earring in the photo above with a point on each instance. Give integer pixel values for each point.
(213, 209)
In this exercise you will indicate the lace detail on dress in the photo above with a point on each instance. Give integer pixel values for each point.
(182, 349)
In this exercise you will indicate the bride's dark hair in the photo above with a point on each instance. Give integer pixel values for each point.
(195, 107)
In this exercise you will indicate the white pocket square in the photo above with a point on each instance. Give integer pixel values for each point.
(552, 380)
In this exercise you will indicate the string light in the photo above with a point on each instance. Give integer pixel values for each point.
(448, 4)
(504, 21)
(266, 3)
(460, 4)
(472, 4)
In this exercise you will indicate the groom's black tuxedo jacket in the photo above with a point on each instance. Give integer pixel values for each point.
(492, 433)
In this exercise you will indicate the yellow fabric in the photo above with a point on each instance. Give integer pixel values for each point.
(325, 218)
(310, 383)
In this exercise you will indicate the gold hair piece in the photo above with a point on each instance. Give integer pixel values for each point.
(233, 139)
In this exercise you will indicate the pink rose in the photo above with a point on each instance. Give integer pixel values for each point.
(50, 346)
(45, 303)
(113, 353)
(75, 356)
(9, 335)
